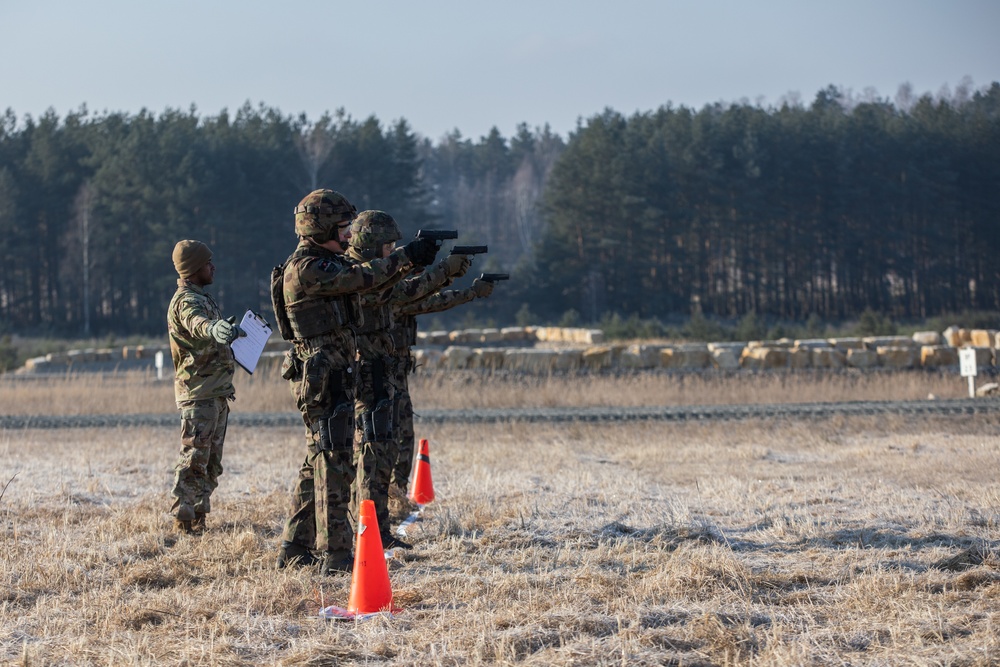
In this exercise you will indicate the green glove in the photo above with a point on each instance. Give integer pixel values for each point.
(455, 266)
(226, 331)
(481, 288)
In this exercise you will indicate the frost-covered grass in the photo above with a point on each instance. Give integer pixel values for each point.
(842, 541)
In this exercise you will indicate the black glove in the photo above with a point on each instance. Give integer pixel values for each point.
(421, 251)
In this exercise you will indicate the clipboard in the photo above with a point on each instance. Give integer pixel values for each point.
(247, 349)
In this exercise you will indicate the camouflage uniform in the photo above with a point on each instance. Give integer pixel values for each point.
(324, 390)
(404, 333)
(203, 385)
(375, 448)
(320, 306)
(373, 412)
(408, 296)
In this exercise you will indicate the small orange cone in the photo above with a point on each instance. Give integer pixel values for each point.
(370, 589)
(422, 491)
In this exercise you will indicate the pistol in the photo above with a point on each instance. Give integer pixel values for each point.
(437, 234)
(469, 250)
(494, 277)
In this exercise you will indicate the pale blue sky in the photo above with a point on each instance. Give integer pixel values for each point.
(473, 65)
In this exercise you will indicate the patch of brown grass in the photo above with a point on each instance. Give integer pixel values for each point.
(139, 393)
(842, 541)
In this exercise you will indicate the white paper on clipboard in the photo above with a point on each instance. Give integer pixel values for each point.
(247, 349)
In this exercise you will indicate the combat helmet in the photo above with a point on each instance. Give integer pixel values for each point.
(318, 213)
(370, 230)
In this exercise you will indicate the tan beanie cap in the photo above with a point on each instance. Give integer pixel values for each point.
(189, 256)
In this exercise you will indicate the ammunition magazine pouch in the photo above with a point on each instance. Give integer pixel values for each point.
(317, 317)
(355, 313)
(374, 318)
(398, 336)
(404, 332)
(291, 366)
(410, 325)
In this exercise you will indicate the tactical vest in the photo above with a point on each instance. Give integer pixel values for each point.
(374, 318)
(404, 332)
(313, 317)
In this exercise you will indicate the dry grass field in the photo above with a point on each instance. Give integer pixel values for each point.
(138, 392)
(837, 542)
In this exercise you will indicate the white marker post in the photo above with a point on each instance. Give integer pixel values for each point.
(967, 365)
(159, 365)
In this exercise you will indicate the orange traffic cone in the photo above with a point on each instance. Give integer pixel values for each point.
(370, 589)
(422, 491)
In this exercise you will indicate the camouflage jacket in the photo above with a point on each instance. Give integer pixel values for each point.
(405, 314)
(380, 336)
(373, 330)
(203, 368)
(417, 286)
(314, 274)
(437, 302)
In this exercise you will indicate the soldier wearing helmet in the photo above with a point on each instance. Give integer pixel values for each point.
(316, 301)
(404, 336)
(374, 234)
(371, 233)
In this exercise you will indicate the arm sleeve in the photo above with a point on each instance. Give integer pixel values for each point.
(325, 277)
(438, 302)
(196, 318)
(420, 285)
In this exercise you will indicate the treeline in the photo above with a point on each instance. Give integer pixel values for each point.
(825, 211)
(91, 205)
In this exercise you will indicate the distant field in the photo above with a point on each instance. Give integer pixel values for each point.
(842, 541)
(139, 392)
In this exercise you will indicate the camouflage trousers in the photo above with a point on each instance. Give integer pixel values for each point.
(203, 432)
(403, 438)
(323, 392)
(373, 440)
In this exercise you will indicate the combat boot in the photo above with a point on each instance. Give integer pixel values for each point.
(184, 519)
(198, 525)
(390, 541)
(292, 554)
(337, 561)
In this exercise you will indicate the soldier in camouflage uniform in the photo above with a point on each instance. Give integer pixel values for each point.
(404, 334)
(203, 383)
(315, 295)
(374, 234)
